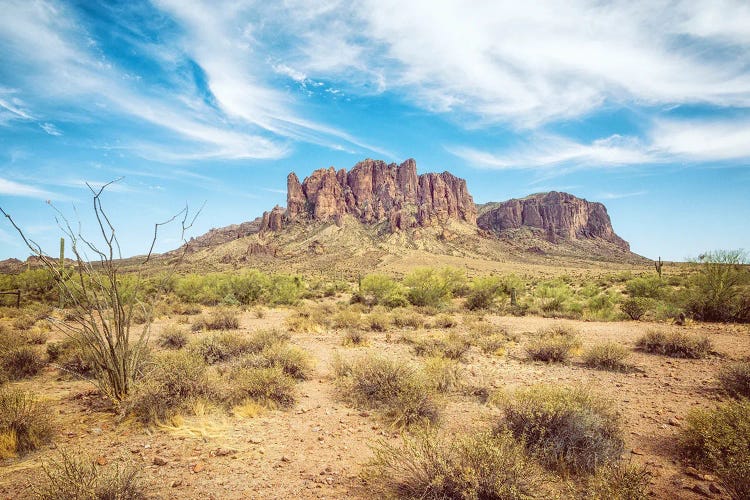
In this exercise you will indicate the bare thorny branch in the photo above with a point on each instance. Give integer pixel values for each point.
(102, 311)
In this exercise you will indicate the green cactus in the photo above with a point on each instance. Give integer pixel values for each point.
(658, 265)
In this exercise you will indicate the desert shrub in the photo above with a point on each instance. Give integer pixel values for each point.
(36, 336)
(428, 287)
(25, 423)
(556, 299)
(220, 319)
(483, 292)
(443, 374)
(718, 287)
(347, 318)
(651, 287)
(172, 381)
(445, 321)
(453, 346)
(292, 360)
(378, 321)
(378, 382)
(675, 344)
(635, 307)
(21, 362)
(308, 319)
(354, 338)
(380, 289)
(601, 307)
(407, 318)
(719, 439)
(622, 481)
(24, 322)
(481, 466)
(553, 345)
(569, 429)
(223, 346)
(173, 337)
(734, 379)
(78, 477)
(607, 356)
(285, 289)
(54, 349)
(270, 386)
(70, 358)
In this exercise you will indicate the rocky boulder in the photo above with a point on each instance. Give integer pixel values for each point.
(560, 216)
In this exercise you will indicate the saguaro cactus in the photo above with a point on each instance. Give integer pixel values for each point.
(658, 265)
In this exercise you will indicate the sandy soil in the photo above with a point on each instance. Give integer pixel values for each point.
(316, 449)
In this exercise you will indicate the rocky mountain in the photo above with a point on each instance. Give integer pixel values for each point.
(375, 192)
(557, 216)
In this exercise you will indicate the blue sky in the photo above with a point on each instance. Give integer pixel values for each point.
(644, 106)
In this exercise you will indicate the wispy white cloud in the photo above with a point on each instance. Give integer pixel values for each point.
(617, 196)
(50, 128)
(12, 188)
(667, 141)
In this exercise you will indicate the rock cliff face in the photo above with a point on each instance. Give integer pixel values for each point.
(373, 192)
(561, 216)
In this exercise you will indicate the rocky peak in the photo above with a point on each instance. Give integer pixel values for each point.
(561, 216)
(373, 192)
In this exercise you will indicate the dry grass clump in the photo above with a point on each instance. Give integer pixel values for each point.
(719, 439)
(80, 478)
(219, 319)
(378, 382)
(308, 319)
(24, 322)
(569, 429)
(172, 382)
(444, 320)
(607, 356)
(554, 345)
(349, 318)
(428, 466)
(407, 318)
(378, 321)
(173, 337)
(292, 360)
(444, 375)
(356, 338)
(25, 423)
(675, 344)
(36, 336)
(734, 379)
(452, 346)
(20, 362)
(70, 359)
(269, 386)
(622, 481)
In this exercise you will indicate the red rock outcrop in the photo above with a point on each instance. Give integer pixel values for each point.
(374, 191)
(561, 216)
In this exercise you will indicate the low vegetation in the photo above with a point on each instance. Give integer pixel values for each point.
(443, 374)
(173, 337)
(675, 344)
(734, 379)
(719, 440)
(25, 423)
(77, 476)
(607, 356)
(622, 481)
(428, 466)
(569, 429)
(220, 319)
(553, 345)
(396, 388)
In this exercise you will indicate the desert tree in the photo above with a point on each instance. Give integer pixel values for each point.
(104, 294)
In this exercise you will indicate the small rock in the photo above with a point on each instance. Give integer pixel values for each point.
(636, 451)
(223, 452)
(701, 489)
(96, 431)
(198, 467)
(159, 461)
(693, 472)
(673, 421)
(256, 440)
(176, 483)
(286, 459)
(101, 460)
(714, 489)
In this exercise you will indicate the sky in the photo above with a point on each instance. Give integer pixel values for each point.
(643, 106)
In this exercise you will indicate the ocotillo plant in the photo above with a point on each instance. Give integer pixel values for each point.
(62, 270)
(658, 265)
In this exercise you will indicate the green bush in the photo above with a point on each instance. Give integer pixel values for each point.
(482, 466)
(484, 292)
(553, 345)
(607, 356)
(719, 439)
(429, 287)
(379, 382)
(718, 288)
(675, 344)
(569, 429)
(380, 289)
(80, 478)
(25, 423)
(635, 307)
(650, 287)
(734, 379)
